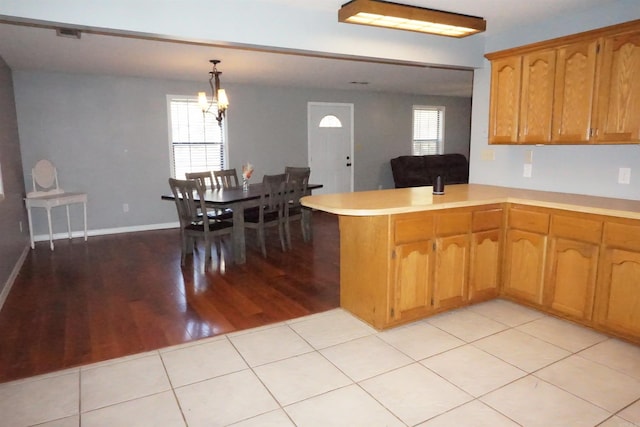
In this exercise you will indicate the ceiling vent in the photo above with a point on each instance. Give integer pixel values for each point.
(68, 32)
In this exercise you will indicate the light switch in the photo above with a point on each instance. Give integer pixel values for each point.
(527, 170)
(488, 154)
(528, 156)
(624, 176)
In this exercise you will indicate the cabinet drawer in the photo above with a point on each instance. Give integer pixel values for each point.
(487, 220)
(536, 222)
(582, 229)
(622, 236)
(412, 228)
(453, 223)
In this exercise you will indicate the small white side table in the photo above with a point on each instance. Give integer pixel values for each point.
(50, 201)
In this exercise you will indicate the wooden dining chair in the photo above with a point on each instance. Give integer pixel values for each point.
(206, 180)
(226, 178)
(193, 224)
(270, 213)
(297, 182)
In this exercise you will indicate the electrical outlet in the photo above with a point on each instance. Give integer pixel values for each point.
(125, 207)
(527, 170)
(488, 154)
(624, 176)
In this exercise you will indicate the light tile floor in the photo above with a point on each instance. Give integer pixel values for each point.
(493, 364)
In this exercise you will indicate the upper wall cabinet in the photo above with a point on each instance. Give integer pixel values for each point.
(506, 74)
(580, 89)
(618, 114)
(574, 92)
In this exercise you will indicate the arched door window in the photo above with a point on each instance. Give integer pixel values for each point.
(330, 121)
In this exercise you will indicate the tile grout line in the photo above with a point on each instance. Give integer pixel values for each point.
(173, 389)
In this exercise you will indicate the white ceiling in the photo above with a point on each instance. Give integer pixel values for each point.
(32, 48)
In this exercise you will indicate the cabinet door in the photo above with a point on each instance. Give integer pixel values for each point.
(574, 91)
(412, 296)
(619, 291)
(505, 100)
(524, 265)
(451, 271)
(484, 266)
(571, 277)
(618, 114)
(536, 107)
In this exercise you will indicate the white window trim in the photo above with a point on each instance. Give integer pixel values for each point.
(225, 134)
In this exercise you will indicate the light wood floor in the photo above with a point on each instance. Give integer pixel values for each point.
(123, 294)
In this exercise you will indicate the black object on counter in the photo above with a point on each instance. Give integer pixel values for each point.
(438, 186)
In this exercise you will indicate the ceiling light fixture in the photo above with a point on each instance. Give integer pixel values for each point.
(218, 96)
(411, 18)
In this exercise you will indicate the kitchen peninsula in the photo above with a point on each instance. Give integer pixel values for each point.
(406, 254)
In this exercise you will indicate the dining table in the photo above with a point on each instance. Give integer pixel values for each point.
(238, 199)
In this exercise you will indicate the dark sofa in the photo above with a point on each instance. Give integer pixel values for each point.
(417, 171)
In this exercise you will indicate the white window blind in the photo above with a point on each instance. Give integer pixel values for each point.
(428, 130)
(197, 141)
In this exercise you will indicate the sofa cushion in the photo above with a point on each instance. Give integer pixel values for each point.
(417, 171)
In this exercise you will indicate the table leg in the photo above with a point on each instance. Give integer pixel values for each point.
(30, 227)
(68, 222)
(239, 248)
(50, 228)
(85, 220)
(307, 229)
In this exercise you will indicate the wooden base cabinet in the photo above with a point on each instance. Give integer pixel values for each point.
(618, 295)
(486, 254)
(403, 267)
(451, 276)
(399, 268)
(412, 265)
(525, 251)
(365, 259)
(387, 263)
(573, 253)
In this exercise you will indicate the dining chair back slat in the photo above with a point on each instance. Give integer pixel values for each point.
(226, 178)
(205, 178)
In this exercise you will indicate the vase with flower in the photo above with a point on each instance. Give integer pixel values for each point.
(247, 171)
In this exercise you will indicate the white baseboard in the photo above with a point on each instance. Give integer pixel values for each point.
(104, 231)
(12, 277)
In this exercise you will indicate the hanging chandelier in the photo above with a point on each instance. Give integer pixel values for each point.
(218, 96)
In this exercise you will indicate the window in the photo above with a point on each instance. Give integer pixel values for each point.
(197, 141)
(330, 121)
(428, 130)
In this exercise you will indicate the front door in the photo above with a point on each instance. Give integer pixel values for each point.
(330, 139)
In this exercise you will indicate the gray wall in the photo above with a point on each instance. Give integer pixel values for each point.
(572, 169)
(12, 212)
(108, 136)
